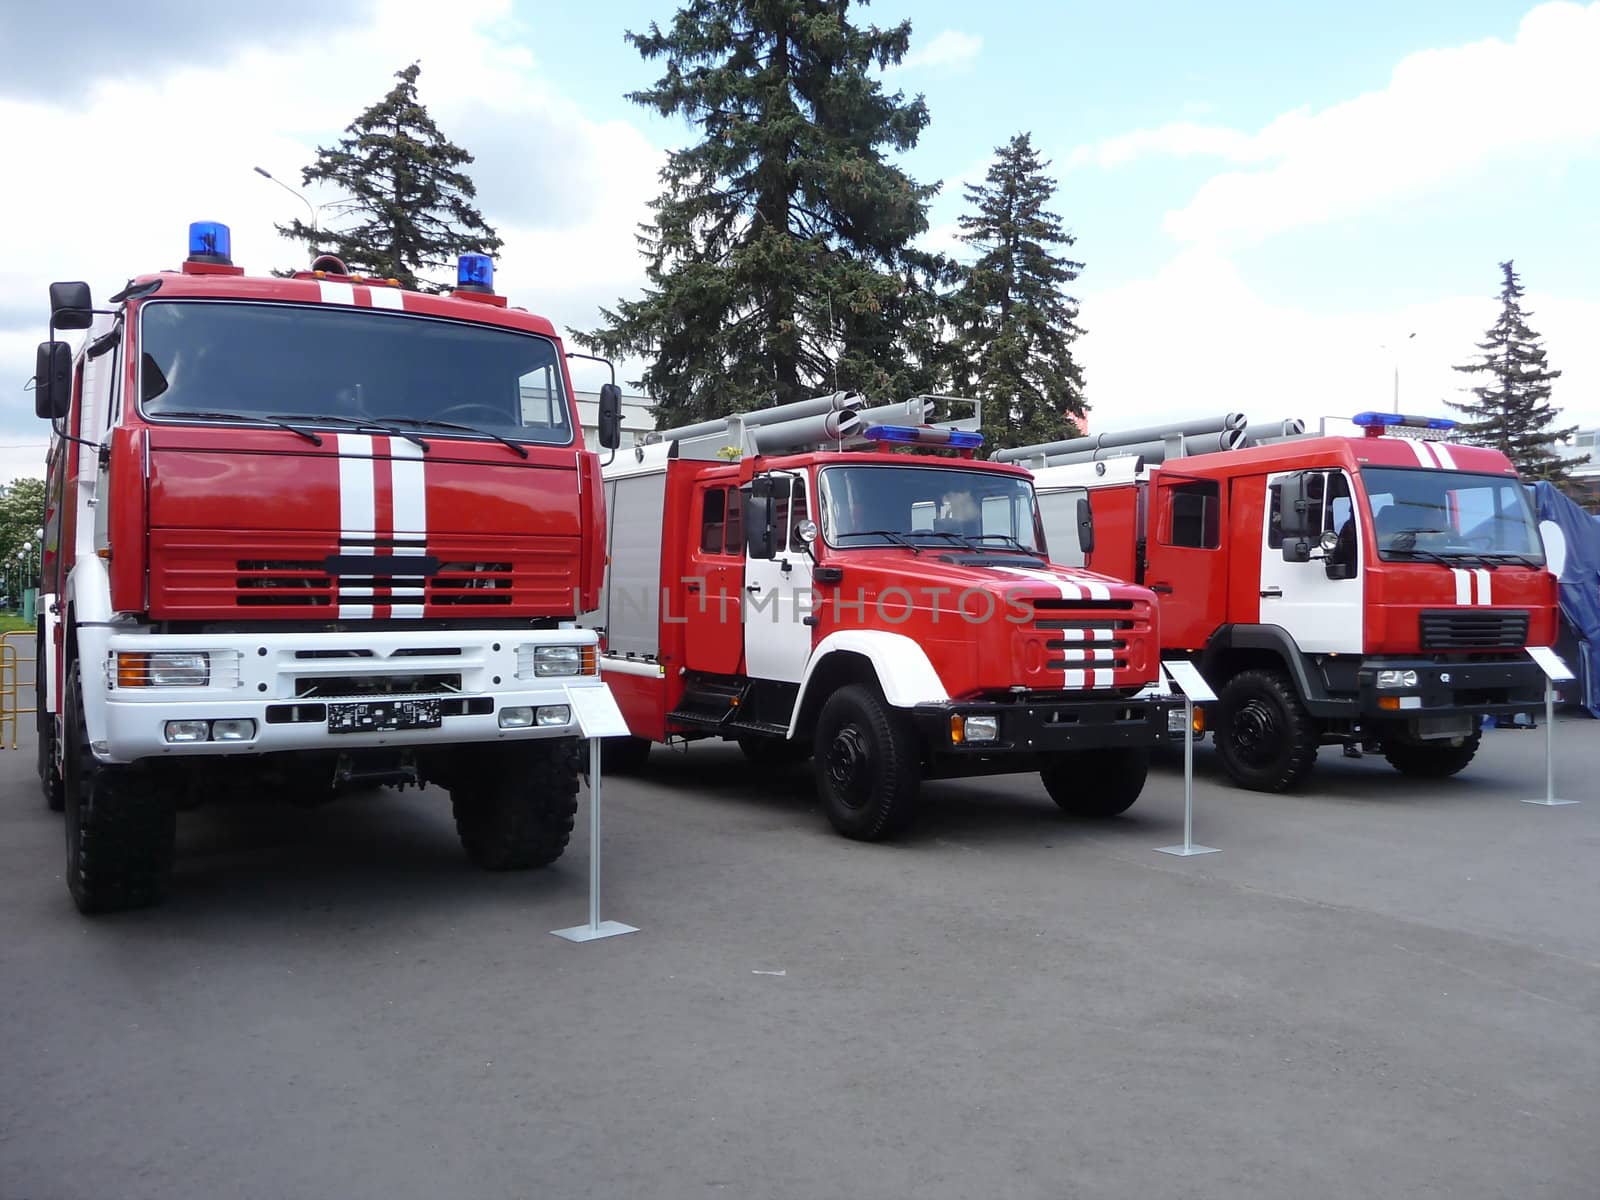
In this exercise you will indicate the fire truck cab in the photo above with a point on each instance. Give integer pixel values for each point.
(305, 535)
(889, 610)
(1375, 591)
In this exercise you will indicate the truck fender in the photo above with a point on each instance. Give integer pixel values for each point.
(904, 673)
(89, 606)
(1272, 638)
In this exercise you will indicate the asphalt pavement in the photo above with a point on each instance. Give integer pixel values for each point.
(1377, 989)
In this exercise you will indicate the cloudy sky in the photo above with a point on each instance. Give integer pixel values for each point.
(1271, 199)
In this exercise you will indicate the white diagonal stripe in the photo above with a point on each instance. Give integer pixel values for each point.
(1423, 457)
(1074, 679)
(1485, 586)
(387, 297)
(1463, 585)
(1443, 453)
(410, 488)
(1102, 677)
(337, 293)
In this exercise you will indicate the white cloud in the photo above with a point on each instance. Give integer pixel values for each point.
(1196, 339)
(1443, 114)
(140, 158)
(949, 49)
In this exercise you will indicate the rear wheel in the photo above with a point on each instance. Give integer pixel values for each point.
(1267, 740)
(1096, 783)
(1432, 760)
(774, 751)
(514, 805)
(868, 772)
(121, 823)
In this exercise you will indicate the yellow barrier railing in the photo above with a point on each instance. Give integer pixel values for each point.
(10, 689)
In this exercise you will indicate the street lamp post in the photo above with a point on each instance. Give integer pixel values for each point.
(312, 209)
(1395, 351)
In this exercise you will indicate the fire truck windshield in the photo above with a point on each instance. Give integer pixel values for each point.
(880, 505)
(337, 366)
(1427, 515)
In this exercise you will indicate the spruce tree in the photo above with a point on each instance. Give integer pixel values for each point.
(408, 210)
(1511, 410)
(1017, 322)
(779, 256)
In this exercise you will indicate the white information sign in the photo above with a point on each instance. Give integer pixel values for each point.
(1190, 682)
(1551, 664)
(597, 712)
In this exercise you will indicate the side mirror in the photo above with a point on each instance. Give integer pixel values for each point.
(1085, 526)
(1294, 508)
(758, 539)
(70, 306)
(610, 422)
(52, 376)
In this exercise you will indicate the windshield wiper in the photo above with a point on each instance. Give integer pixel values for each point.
(198, 415)
(431, 424)
(899, 539)
(1424, 555)
(360, 424)
(1505, 556)
(1011, 541)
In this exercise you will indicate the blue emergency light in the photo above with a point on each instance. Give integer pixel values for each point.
(475, 273)
(210, 242)
(1377, 420)
(924, 435)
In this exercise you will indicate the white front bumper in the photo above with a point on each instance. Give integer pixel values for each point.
(271, 674)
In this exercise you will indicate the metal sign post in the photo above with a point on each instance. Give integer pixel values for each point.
(598, 717)
(1555, 671)
(1193, 687)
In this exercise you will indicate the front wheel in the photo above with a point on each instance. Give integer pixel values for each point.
(1265, 737)
(514, 805)
(121, 823)
(868, 772)
(1096, 783)
(1432, 760)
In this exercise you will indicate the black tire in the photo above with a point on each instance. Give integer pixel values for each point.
(868, 770)
(1267, 740)
(774, 752)
(1432, 760)
(624, 755)
(55, 796)
(514, 805)
(121, 823)
(1096, 783)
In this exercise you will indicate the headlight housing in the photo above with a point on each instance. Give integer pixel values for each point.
(544, 662)
(1397, 679)
(982, 729)
(163, 668)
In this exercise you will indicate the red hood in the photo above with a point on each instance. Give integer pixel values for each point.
(262, 524)
(1420, 607)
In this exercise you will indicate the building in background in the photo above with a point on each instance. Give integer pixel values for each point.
(637, 419)
(1585, 487)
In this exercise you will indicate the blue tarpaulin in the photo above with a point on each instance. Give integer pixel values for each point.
(1580, 587)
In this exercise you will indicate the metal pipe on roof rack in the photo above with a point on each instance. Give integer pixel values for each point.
(1230, 422)
(904, 412)
(817, 405)
(806, 431)
(1155, 451)
(1276, 431)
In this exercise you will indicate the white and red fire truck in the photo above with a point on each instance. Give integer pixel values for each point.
(1375, 592)
(889, 609)
(310, 533)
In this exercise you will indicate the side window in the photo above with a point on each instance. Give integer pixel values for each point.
(734, 532)
(788, 510)
(1195, 517)
(1059, 513)
(713, 520)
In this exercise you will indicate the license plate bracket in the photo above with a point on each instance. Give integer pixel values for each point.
(383, 716)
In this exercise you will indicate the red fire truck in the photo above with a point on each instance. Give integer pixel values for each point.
(888, 609)
(310, 534)
(1375, 592)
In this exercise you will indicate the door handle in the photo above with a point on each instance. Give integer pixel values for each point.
(1272, 593)
(691, 587)
(752, 587)
(1164, 589)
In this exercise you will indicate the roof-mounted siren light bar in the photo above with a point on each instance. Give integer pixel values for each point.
(924, 435)
(210, 242)
(475, 273)
(1374, 423)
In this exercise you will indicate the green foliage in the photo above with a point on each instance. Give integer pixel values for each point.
(779, 254)
(1511, 410)
(409, 208)
(1015, 319)
(21, 519)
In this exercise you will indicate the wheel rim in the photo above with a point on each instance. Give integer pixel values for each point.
(1256, 733)
(849, 765)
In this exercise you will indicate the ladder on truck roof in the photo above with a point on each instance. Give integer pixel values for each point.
(1153, 444)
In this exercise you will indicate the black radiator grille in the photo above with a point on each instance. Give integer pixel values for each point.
(1465, 629)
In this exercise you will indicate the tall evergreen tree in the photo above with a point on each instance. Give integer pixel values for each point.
(1511, 410)
(1017, 322)
(409, 207)
(779, 256)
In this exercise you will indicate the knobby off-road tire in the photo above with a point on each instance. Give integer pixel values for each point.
(1267, 740)
(55, 796)
(774, 752)
(1096, 783)
(624, 755)
(514, 805)
(1431, 760)
(868, 770)
(121, 823)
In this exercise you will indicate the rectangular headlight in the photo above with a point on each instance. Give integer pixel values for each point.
(556, 660)
(1397, 679)
(188, 731)
(233, 729)
(554, 714)
(518, 716)
(982, 729)
(162, 668)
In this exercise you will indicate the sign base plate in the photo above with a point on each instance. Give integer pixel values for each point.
(1551, 802)
(590, 933)
(1187, 851)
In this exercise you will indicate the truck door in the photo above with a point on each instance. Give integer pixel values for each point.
(1318, 602)
(713, 633)
(777, 641)
(1188, 568)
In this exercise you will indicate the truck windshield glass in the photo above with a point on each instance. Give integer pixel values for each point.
(1426, 515)
(291, 362)
(884, 506)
